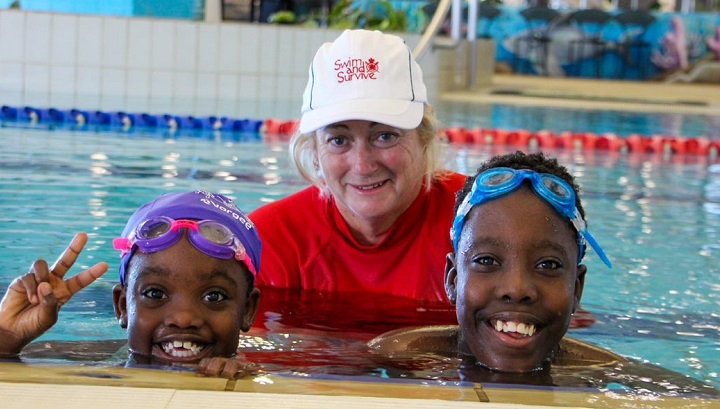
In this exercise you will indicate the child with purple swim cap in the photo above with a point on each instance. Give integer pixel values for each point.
(189, 262)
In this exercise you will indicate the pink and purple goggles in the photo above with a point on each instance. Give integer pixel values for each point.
(162, 232)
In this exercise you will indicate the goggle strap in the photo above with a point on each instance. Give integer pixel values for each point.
(578, 222)
(249, 264)
(465, 206)
(122, 244)
(462, 212)
(596, 246)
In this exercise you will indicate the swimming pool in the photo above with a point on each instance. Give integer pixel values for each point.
(657, 218)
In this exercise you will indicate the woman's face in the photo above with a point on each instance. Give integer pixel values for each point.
(515, 281)
(373, 171)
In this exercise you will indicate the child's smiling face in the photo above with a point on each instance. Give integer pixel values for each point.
(181, 305)
(515, 281)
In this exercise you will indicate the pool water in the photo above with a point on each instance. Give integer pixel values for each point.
(657, 218)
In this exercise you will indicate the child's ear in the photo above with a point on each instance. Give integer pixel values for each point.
(579, 284)
(451, 278)
(251, 306)
(120, 305)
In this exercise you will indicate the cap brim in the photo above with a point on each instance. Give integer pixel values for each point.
(399, 114)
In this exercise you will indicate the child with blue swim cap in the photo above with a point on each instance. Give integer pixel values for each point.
(515, 275)
(189, 262)
(519, 238)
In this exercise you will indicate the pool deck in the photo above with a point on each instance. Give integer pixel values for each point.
(62, 386)
(57, 387)
(594, 94)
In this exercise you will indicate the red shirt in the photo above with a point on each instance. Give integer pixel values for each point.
(308, 245)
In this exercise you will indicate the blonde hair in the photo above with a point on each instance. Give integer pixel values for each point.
(304, 155)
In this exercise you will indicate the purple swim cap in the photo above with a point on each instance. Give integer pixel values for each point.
(197, 205)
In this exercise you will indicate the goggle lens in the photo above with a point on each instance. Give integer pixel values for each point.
(556, 188)
(153, 228)
(497, 179)
(215, 233)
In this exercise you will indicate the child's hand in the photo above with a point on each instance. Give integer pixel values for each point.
(31, 304)
(229, 368)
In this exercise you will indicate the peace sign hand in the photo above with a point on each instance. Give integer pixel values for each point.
(31, 304)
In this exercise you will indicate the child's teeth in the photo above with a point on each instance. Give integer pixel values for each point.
(518, 327)
(181, 349)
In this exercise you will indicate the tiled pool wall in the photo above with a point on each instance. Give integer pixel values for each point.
(241, 70)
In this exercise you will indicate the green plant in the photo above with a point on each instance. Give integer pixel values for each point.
(401, 16)
(369, 14)
(282, 17)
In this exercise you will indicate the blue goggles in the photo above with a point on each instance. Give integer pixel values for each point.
(497, 182)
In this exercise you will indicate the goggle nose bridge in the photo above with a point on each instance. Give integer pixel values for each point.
(184, 224)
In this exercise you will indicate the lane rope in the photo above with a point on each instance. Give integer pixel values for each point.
(578, 141)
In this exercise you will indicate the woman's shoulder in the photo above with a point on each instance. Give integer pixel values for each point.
(296, 204)
(450, 179)
(445, 185)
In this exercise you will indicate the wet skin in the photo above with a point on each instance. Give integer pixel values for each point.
(181, 305)
(515, 282)
(373, 171)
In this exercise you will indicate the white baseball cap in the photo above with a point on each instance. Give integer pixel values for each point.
(364, 75)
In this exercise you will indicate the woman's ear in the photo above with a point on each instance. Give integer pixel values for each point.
(451, 278)
(579, 285)
(120, 305)
(251, 307)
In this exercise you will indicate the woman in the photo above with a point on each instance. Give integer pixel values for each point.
(378, 216)
(379, 212)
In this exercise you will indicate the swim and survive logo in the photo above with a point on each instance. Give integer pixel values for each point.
(356, 69)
